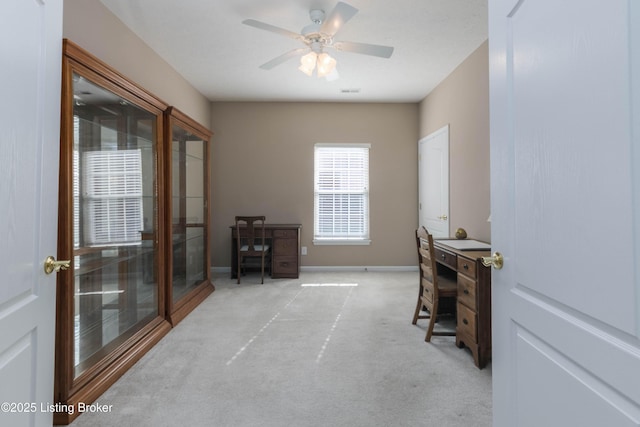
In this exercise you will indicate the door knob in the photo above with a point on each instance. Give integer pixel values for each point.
(496, 261)
(443, 217)
(51, 265)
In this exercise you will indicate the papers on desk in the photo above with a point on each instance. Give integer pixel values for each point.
(466, 245)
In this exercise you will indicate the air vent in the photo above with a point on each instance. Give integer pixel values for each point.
(349, 90)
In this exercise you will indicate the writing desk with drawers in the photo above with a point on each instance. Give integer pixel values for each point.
(473, 308)
(284, 240)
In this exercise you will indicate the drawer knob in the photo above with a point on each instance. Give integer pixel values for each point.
(443, 256)
(465, 321)
(465, 266)
(466, 292)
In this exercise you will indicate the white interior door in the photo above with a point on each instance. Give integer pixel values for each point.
(565, 159)
(433, 171)
(29, 136)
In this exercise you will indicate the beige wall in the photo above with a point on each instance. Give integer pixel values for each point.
(262, 164)
(262, 153)
(462, 101)
(90, 25)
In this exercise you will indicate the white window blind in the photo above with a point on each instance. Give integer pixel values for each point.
(341, 208)
(112, 189)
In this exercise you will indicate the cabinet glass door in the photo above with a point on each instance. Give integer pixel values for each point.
(114, 221)
(189, 280)
(111, 302)
(188, 214)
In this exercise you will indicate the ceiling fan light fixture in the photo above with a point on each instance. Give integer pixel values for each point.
(326, 65)
(308, 63)
(332, 76)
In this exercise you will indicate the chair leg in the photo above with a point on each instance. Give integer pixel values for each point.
(432, 321)
(419, 306)
(417, 312)
(238, 271)
(262, 269)
(427, 338)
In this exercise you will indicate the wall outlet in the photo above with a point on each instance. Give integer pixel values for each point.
(303, 250)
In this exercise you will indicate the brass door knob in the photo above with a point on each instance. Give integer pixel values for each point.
(443, 217)
(51, 265)
(496, 261)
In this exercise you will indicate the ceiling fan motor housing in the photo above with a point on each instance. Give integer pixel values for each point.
(314, 38)
(317, 16)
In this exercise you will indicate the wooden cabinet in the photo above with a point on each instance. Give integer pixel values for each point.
(110, 302)
(473, 308)
(187, 175)
(133, 220)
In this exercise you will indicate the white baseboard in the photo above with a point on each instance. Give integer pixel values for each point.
(336, 268)
(373, 268)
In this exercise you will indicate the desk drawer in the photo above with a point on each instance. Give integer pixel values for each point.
(285, 266)
(467, 291)
(285, 246)
(287, 234)
(447, 258)
(466, 324)
(467, 267)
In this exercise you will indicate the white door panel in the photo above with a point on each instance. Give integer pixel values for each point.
(563, 186)
(592, 402)
(565, 161)
(433, 154)
(30, 140)
(588, 342)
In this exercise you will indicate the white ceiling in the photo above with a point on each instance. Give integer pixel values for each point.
(205, 41)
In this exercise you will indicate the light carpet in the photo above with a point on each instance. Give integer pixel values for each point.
(284, 354)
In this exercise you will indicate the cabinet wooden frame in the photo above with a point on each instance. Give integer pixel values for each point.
(114, 359)
(177, 310)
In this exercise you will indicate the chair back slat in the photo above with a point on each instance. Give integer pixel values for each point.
(250, 241)
(250, 230)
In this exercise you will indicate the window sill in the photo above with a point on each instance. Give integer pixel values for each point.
(342, 242)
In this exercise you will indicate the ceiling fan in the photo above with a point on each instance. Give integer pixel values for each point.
(318, 36)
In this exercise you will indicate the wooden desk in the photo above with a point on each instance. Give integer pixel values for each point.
(473, 327)
(284, 240)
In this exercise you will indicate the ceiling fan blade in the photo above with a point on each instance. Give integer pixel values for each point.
(283, 58)
(338, 16)
(273, 29)
(364, 48)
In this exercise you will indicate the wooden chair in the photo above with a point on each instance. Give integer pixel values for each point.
(433, 288)
(250, 244)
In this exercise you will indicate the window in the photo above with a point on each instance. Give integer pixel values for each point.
(341, 206)
(112, 183)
